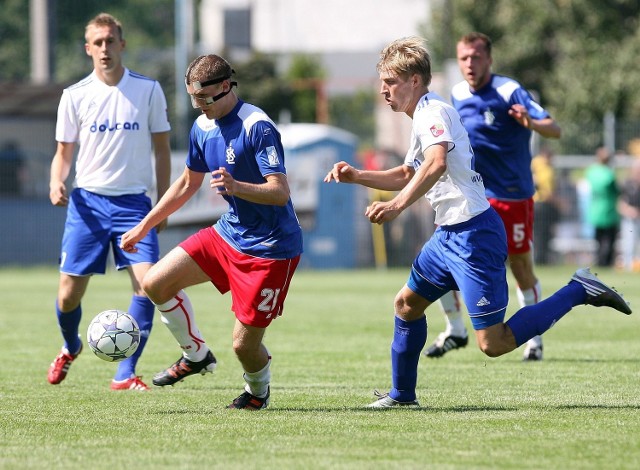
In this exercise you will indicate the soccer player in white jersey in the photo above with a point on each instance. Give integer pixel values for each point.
(500, 116)
(468, 250)
(254, 248)
(118, 118)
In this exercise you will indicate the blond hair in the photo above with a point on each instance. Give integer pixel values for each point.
(103, 19)
(406, 56)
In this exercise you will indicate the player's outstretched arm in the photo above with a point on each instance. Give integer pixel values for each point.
(427, 175)
(176, 196)
(342, 172)
(393, 179)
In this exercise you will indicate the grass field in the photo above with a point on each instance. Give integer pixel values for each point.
(578, 409)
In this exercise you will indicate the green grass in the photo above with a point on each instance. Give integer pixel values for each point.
(578, 409)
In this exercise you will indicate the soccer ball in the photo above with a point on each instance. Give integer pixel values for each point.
(113, 335)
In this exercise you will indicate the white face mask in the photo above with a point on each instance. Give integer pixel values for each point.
(200, 101)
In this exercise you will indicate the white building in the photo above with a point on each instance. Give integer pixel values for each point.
(313, 26)
(346, 35)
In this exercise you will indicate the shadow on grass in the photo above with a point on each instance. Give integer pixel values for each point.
(597, 407)
(361, 409)
(424, 409)
(331, 409)
(587, 360)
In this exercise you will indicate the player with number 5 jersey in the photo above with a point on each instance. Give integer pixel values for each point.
(500, 116)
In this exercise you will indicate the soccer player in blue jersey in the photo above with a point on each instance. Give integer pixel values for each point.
(500, 116)
(119, 120)
(468, 250)
(252, 251)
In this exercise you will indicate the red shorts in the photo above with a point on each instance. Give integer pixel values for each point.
(517, 217)
(258, 286)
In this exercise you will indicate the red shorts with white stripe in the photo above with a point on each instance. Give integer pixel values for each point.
(517, 217)
(258, 286)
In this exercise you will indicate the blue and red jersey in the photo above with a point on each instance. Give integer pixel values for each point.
(247, 143)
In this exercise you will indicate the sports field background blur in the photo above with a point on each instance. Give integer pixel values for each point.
(314, 63)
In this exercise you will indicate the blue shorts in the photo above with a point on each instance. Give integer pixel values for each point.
(95, 223)
(469, 257)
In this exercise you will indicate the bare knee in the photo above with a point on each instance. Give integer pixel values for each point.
(153, 287)
(492, 350)
(400, 306)
(496, 340)
(252, 357)
(239, 347)
(70, 291)
(68, 298)
(148, 285)
(408, 305)
(66, 304)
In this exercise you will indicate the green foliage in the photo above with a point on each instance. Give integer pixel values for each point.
(305, 75)
(14, 38)
(149, 31)
(259, 84)
(148, 27)
(578, 409)
(355, 113)
(578, 55)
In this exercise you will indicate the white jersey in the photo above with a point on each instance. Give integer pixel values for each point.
(113, 126)
(459, 193)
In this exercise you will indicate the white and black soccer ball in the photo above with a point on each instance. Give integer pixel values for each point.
(113, 335)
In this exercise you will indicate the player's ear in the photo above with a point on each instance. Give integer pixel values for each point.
(86, 49)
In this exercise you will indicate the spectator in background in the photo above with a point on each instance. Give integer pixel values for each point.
(629, 208)
(546, 206)
(602, 212)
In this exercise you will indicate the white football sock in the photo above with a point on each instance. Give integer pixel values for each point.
(258, 382)
(178, 315)
(530, 297)
(450, 305)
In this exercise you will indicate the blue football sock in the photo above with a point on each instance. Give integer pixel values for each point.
(142, 309)
(408, 340)
(69, 322)
(534, 320)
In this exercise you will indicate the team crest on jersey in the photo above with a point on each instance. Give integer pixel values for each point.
(231, 156)
(272, 155)
(437, 130)
(489, 117)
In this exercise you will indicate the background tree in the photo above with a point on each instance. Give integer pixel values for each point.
(577, 54)
(259, 84)
(305, 74)
(355, 113)
(14, 40)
